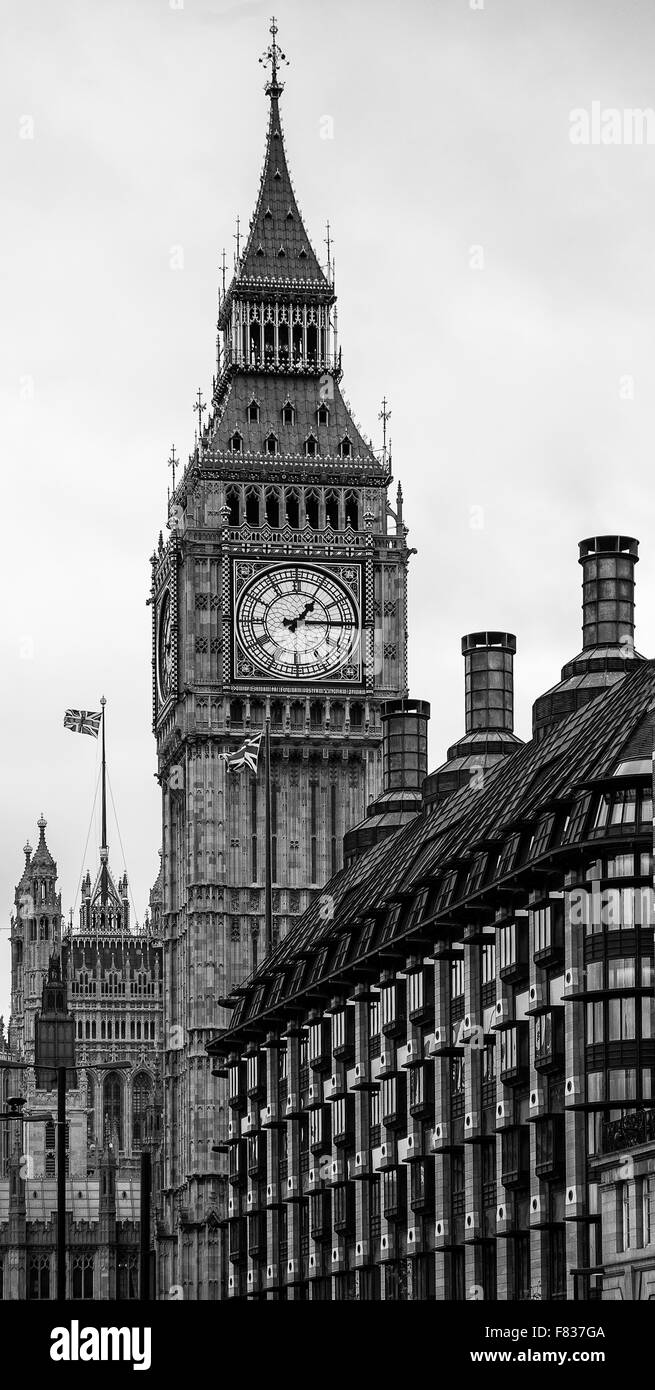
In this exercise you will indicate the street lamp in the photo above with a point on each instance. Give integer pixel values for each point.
(14, 1111)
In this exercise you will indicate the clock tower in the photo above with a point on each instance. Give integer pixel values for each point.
(279, 602)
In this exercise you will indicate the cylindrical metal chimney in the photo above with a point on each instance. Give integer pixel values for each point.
(608, 590)
(404, 766)
(404, 743)
(608, 631)
(489, 680)
(489, 687)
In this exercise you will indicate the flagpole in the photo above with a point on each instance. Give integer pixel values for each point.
(103, 843)
(268, 898)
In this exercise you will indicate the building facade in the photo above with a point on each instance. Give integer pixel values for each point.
(108, 977)
(432, 1092)
(279, 599)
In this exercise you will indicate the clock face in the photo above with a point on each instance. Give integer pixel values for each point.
(164, 649)
(296, 622)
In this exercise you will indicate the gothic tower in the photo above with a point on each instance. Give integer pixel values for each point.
(35, 934)
(280, 599)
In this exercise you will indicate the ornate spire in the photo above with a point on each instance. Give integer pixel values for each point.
(277, 247)
(272, 58)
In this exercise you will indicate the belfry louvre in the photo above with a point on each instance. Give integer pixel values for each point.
(427, 1074)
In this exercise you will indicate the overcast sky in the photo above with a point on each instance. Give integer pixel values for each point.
(524, 388)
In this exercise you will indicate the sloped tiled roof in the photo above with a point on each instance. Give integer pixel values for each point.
(584, 747)
(278, 247)
(271, 392)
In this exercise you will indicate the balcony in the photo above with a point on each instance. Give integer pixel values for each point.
(634, 1128)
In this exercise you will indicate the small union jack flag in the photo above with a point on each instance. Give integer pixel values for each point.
(82, 721)
(245, 756)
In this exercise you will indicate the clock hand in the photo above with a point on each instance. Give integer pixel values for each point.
(292, 623)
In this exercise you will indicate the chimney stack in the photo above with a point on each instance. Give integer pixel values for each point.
(404, 766)
(608, 630)
(489, 680)
(404, 744)
(608, 590)
(489, 712)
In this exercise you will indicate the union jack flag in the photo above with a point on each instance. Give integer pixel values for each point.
(82, 721)
(245, 756)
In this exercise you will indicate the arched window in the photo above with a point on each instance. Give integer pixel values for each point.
(141, 1096)
(345, 448)
(253, 412)
(90, 1107)
(311, 342)
(352, 510)
(332, 510)
(269, 341)
(311, 510)
(272, 508)
(111, 1104)
(323, 415)
(252, 507)
(311, 446)
(293, 510)
(235, 442)
(288, 413)
(233, 502)
(271, 444)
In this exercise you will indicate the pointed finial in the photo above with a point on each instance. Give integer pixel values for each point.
(27, 850)
(223, 269)
(103, 701)
(328, 243)
(199, 407)
(273, 58)
(172, 463)
(384, 416)
(399, 510)
(42, 822)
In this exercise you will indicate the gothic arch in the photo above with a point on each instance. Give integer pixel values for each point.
(112, 1106)
(142, 1096)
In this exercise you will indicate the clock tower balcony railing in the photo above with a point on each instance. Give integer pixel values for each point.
(246, 536)
(237, 461)
(282, 362)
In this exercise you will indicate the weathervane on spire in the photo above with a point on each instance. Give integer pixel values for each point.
(384, 415)
(273, 58)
